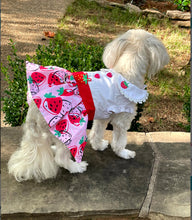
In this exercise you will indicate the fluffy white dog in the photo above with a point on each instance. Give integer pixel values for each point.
(133, 55)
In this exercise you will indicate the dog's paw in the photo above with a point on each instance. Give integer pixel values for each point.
(78, 167)
(126, 154)
(101, 146)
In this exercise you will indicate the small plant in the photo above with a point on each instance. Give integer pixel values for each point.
(187, 105)
(70, 56)
(183, 5)
(14, 103)
(135, 125)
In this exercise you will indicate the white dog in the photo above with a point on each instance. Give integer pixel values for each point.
(133, 55)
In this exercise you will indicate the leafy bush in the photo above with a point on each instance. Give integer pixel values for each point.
(187, 105)
(57, 53)
(135, 125)
(70, 56)
(183, 5)
(15, 105)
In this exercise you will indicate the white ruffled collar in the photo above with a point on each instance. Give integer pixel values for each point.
(129, 90)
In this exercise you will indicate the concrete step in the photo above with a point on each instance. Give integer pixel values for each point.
(155, 184)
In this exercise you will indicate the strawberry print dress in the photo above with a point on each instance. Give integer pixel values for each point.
(68, 100)
(56, 95)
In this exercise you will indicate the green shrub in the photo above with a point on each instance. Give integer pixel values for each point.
(187, 105)
(70, 56)
(57, 53)
(14, 103)
(183, 5)
(135, 125)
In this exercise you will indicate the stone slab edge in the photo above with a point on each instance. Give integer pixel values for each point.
(152, 138)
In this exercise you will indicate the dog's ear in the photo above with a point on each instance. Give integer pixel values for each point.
(113, 52)
(158, 56)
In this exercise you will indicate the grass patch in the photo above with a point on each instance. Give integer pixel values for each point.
(89, 22)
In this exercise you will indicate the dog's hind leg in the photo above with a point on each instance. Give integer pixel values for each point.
(121, 123)
(63, 159)
(96, 135)
(34, 158)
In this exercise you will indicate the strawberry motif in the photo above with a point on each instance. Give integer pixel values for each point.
(65, 137)
(109, 75)
(75, 116)
(52, 104)
(73, 150)
(65, 92)
(84, 112)
(83, 143)
(39, 78)
(97, 76)
(55, 79)
(124, 84)
(66, 107)
(74, 119)
(42, 68)
(82, 77)
(34, 88)
(71, 81)
(62, 126)
(37, 101)
(53, 121)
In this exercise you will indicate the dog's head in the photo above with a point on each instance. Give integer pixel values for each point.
(136, 53)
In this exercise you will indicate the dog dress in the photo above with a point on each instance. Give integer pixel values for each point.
(68, 100)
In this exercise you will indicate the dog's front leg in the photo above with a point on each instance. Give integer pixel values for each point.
(121, 123)
(96, 135)
(63, 159)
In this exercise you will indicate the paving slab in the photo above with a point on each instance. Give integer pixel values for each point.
(155, 184)
(171, 195)
(111, 185)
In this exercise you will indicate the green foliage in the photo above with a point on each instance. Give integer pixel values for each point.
(135, 125)
(187, 105)
(15, 105)
(70, 56)
(183, 5)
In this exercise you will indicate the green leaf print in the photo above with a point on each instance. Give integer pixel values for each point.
(57, 133)
(82, 121)
(60, 91)
(49, 95)
(30, 80)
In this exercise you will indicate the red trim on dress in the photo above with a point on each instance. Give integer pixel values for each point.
(84, 91)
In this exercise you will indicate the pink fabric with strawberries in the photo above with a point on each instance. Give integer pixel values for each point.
(56, 94)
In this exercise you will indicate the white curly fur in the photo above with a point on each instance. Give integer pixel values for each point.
(133, 54)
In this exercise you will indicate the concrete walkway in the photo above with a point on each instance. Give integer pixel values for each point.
(156, 184)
